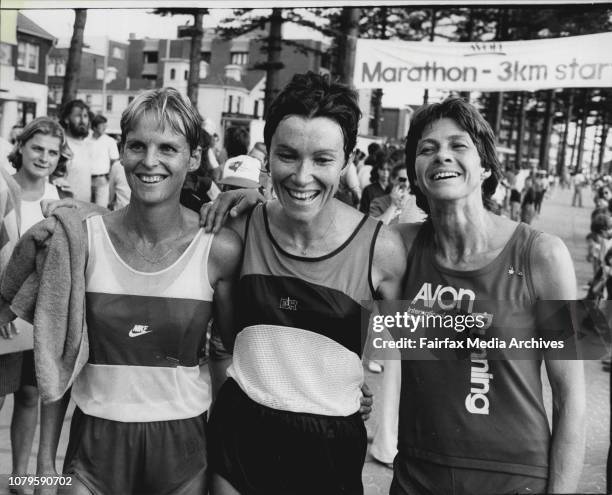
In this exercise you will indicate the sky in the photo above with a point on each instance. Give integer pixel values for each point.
(117, 24)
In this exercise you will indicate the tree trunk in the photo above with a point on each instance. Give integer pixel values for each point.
(195, 57)
(520, 134)
(73, 65)
(583, 126)
(377, 94)
(546, 130)
(432, 35)
(592, 160)
(602, 145)
(348, 43)
(532, 130)
(568, 120)
(574, 146)
(274, 63)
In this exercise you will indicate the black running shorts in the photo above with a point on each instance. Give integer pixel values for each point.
(159, 457)
(264, 451)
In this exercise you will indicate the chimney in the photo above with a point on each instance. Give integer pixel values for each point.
(233, 71)
(132, 36)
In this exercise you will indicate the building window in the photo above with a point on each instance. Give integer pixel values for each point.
(203, 69)
(88, 99)
(109, 103)
(27, 57)
(55, 93)
(256, 108)
(26, 112)
(239, 58)
(150, 57)
(6, 54)
(172, 74)
(238, 104)
(118, 52)
(186, 75)
(230, 103)
(58, 66)
(100, 74)
(205, 57)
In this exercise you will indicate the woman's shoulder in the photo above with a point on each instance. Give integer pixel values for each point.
(407, 232)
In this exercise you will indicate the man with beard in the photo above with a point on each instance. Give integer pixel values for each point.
(74, 118)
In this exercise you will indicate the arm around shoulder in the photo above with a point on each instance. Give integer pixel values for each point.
(223, 271)
(388, 264)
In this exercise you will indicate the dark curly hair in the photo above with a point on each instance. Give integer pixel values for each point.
(469, 119)
(312, 95)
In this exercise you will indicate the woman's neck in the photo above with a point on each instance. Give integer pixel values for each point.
(304, 235)
(461, 230)
(154, 223)
(32, 188)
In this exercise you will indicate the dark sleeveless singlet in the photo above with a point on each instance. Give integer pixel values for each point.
(301, 328)
(476, 413)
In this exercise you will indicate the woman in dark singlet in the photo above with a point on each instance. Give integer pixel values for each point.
(478, 425)
(287, 420)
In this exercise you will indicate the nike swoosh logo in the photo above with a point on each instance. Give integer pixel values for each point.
(136, 332)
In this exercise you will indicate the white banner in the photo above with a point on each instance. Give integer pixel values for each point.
(572, 62)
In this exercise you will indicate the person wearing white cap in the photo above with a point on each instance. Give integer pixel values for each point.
(241, 172)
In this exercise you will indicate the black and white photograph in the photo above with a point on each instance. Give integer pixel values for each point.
(343, 247)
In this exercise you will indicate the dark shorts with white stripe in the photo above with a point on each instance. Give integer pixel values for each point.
(264, 451)
(158, 457)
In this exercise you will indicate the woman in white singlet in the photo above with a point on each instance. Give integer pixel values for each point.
(40, 150)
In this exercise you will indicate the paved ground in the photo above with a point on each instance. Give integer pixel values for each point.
(557, 217)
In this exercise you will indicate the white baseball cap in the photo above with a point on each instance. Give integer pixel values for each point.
(241, 171)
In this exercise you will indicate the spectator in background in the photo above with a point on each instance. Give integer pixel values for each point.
(74, 118)
(16, 130)
(118, 187)
(364, 172)
(349, 191)
(579, 183)
(236, 141)
(259, 151)
(104, 155)
(528, 203)
(540, 186)
(219, 151)
(399, 205)
(379, 178)
(199, 185)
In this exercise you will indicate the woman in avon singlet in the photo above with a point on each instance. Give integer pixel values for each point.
(477, 425)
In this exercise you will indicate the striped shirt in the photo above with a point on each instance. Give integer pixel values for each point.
(145, 330)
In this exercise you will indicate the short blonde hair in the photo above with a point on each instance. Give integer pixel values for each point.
(169, 108)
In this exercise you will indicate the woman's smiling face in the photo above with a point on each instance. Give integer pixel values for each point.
(447, 165)
(306, 160)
